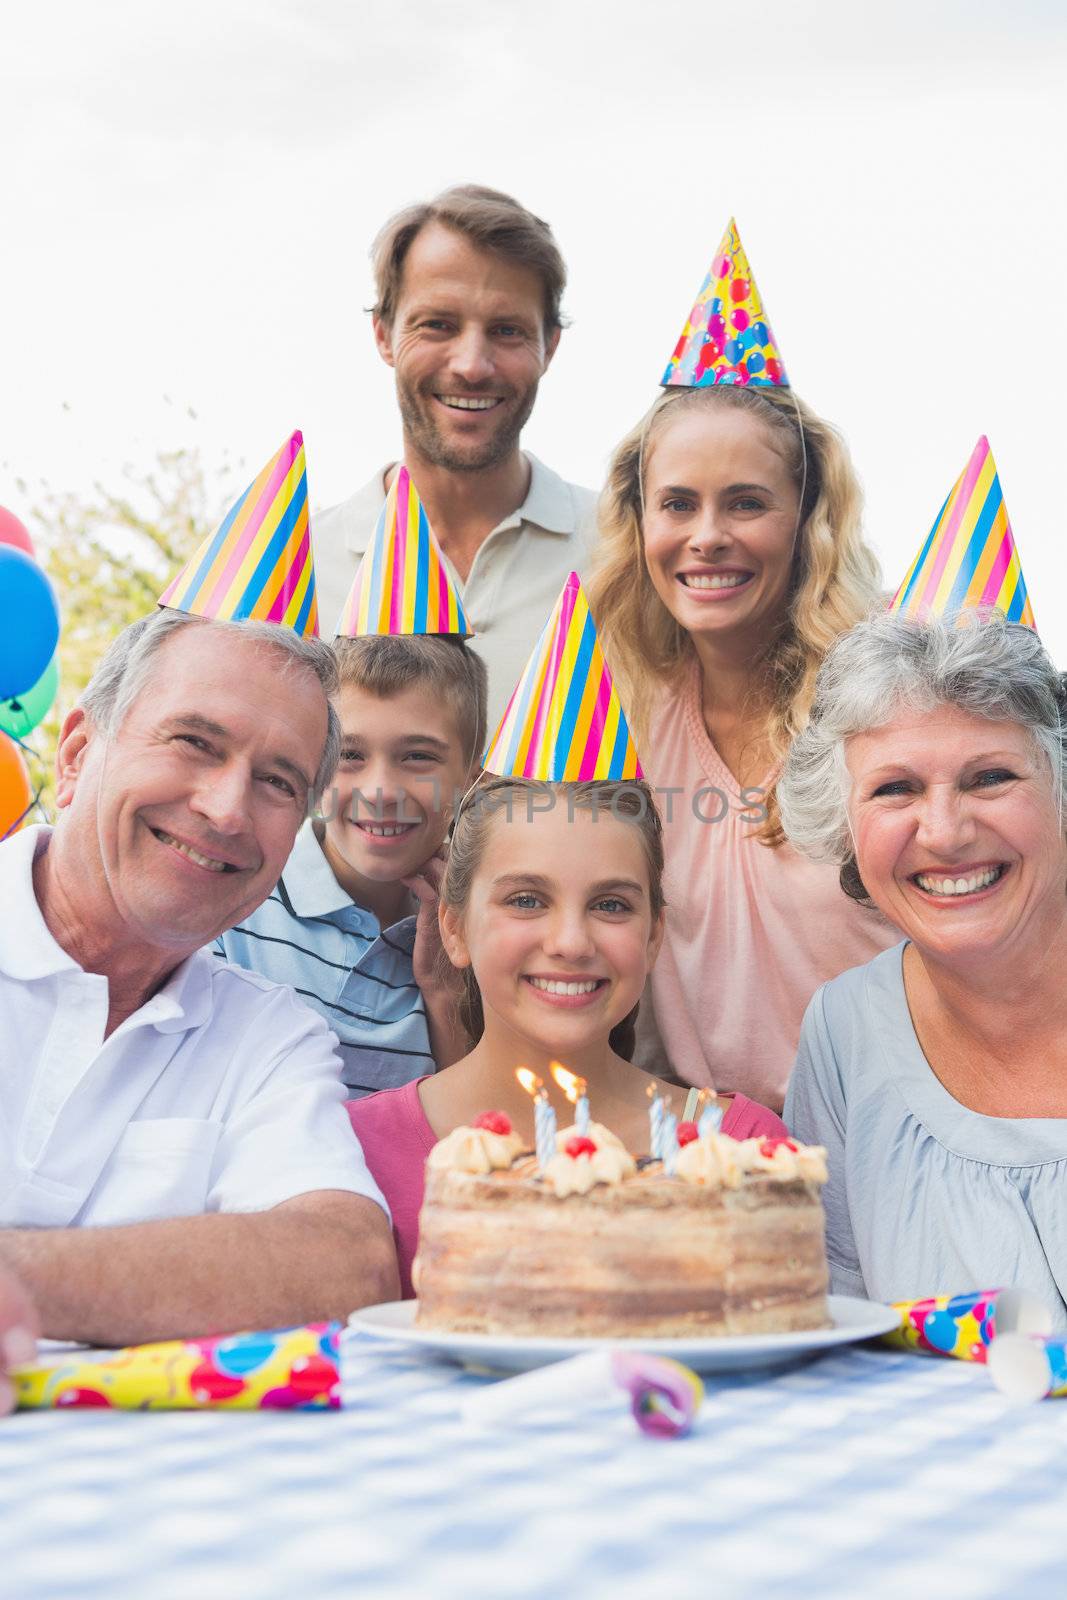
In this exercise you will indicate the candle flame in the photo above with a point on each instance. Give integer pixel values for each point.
(573, 1086)
(529, 1081)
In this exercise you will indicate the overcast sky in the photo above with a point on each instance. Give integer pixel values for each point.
(189, 190)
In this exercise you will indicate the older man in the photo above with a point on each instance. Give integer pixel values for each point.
(175, 1156)
(468, 316)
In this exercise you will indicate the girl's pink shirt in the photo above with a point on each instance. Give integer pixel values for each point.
(396, 1138)
(751, 932)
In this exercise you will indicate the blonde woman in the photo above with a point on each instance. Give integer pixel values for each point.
(730, 557)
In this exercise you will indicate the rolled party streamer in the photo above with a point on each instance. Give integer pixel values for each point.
(285, 1369)
(664, 1395)
(1029, 1367)
(965, 1325)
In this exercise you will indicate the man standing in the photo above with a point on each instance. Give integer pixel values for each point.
(468, 316)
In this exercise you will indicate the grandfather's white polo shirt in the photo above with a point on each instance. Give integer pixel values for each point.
(514, 580)
(222, 1093)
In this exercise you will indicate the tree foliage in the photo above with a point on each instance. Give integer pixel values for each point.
(109, 553)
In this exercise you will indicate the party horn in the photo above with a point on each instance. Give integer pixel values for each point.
(965, 1325)
(288, 1368)
(1029, 1367)
(664, 1395)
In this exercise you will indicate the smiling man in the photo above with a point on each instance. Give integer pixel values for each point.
(468, 316)
(174, 1153)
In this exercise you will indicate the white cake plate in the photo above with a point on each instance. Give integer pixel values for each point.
(851, 1320)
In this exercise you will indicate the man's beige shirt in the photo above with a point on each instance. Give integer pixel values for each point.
(514, 580)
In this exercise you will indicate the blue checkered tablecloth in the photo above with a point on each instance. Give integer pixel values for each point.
(863, 1474)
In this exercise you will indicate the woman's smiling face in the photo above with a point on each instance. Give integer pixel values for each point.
(720, 522)
(957, 830)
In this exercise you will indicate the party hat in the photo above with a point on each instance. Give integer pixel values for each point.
(258, 565)
(403, 585)
(969, 558)
(564, 722)
(727, 338)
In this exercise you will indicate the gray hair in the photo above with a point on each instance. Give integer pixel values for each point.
(128, 663)
(984, 665)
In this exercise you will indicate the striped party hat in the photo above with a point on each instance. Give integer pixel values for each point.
(969, 558)
(403, 585)
(258, 565)
(564, 723)
(727, 338)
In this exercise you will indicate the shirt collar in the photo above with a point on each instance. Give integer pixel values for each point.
(308, 879)
(28, 951)
(549, 504)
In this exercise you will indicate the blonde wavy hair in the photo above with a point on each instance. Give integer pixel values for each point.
(836, 579)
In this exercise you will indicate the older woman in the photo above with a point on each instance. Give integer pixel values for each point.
(730, 558)
(931, 773)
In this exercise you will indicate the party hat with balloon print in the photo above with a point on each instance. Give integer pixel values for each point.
(403, 584)
(727, 338)
(259, 564)
(564, 722)
(969, 558)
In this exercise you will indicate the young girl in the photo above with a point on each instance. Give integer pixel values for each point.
(552, 908)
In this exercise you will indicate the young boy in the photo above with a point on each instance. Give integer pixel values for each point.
(352, 924)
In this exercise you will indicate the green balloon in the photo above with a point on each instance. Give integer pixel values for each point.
(21, 714)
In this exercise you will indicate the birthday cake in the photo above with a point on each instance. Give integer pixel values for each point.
(590, 1243)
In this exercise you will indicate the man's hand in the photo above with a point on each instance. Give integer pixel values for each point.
(433, 968)
(18, 1334)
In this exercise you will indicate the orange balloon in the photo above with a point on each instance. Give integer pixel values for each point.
(15, 791)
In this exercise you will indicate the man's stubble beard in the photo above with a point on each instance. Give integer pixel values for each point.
(426, 438)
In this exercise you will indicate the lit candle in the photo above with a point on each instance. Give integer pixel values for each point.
(710, 1121)
(544, 1117)
(710, 1118)
(655, 1123)
(575, 1090)
(669, 1136)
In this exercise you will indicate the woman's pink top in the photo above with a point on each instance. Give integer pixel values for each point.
(751, 932)
(397, 1138)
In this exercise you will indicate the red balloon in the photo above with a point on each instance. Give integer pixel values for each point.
(12, 531)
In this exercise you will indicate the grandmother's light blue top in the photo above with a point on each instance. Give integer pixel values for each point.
(925, 1197)
(309, 933)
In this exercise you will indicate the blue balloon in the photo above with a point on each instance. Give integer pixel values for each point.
(29, 622)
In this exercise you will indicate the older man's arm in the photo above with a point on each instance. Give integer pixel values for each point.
(310, 1259)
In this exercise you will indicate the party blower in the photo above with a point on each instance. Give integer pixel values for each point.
(291, 1369)
(965, 1325)
(664, 1395)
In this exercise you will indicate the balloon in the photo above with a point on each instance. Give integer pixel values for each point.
(15, 791)
(13, 532)
(21, 714)
(29, 622)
